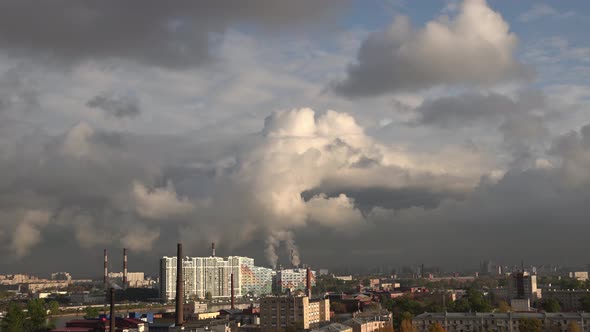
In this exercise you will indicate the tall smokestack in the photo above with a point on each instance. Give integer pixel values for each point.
(124, 268)
(232, 292)
(213, 249)
(292, 260)
(106, 269)
(308, 282)
(112, 320)
(179, 287)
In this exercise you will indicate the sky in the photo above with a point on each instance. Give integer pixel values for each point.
(355, 133)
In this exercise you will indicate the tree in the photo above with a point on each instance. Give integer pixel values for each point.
(387, 328)
(53, 307)
(503, 306)
(436, 327)
(406, 326)
(573, 327)
(208, 296)
(585, 302)
(461, 305)
(372, 307)
(91, 312)
(551, 305)
(37, 316)
(529, 325)
(477, 301)
(14, 320)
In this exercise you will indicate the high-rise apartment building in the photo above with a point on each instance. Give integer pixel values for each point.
(212, 275)
(522, 286)
(293, 279)
(280, 312)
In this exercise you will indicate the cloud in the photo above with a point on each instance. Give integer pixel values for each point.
(471, 108)
(473, 47)
(28, 231)
(116, 106)
(159, 203)
(17, 91)
(540, 10)
(175, 36)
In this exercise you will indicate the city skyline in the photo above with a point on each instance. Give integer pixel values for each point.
(347, 133)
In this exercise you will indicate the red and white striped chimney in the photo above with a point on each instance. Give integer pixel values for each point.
(106, 269)
(124, 267)
(308, 282)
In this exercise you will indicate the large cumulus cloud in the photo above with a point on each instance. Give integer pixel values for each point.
(473, 47)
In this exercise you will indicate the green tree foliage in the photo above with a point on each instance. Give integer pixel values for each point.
(585, 302)
(474, 300)
(91, 312)
(478, 301)
(37, 316)
(529, 325)
(436, 327)
(14, 320)
(461, 305)
(573, 327)
(53, 307)
(551, 305)
(208, 296)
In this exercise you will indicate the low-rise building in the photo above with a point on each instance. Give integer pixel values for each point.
(569, 299)
(334, 327)
(580, 276)
(367, 324)
(500, 322)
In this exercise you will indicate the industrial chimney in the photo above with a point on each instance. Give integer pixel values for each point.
(106, 270)
(213, 249)
(179, 287)
(124, 268)
(308, 283)
(112, 319)
(232, 292)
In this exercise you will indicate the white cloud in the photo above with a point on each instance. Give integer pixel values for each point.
(28, 231)
(540, 10)
(159, 203)
(473, 47)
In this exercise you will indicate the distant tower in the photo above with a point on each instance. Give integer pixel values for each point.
(213, 249)
(124, 268)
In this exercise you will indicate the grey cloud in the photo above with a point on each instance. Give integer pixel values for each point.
(474, 47)
(172, 35)
(17, 92)
(471, 108)
(119, 106)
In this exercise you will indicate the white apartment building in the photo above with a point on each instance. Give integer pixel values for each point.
(212, 275)
(293, 279)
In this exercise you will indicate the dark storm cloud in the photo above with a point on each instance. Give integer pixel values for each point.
(117, 106)
(473, 47)
(174, 35)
